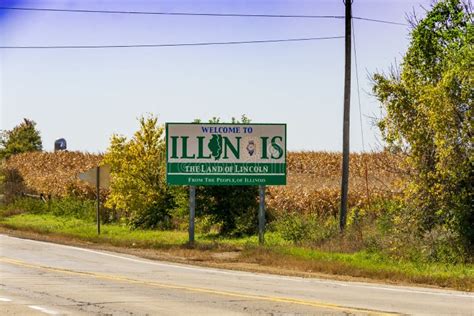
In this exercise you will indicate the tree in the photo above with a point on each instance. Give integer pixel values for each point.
(234, 207)
(138, 176)
(428, 116)
(22, 138)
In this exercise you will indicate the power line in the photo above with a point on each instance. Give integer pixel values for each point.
(364, 159)
(178, 13)
(201, 14)
(174, 44)
(358, 87)
(379, 21)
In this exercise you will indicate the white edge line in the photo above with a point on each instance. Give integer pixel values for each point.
(4, 299)
(244, 274)
(44, 310)
(162, 264)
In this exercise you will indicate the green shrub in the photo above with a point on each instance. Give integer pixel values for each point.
(301, 229)
(138, 185)
(441, 245)
(66, 207)
(154, 216)
(206, 225)
(234, 208)
(25, 205)
(389, 228)
(73, 207)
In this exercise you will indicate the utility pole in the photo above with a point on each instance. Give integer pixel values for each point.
(98, 198)
(346, 124)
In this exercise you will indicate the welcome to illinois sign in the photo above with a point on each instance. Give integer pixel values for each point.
(225, 154)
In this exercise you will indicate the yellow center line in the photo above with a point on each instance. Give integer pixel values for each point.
(111, 277)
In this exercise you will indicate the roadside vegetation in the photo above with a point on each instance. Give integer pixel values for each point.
(411, 216)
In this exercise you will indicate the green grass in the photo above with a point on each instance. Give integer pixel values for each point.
(376, 262)
(79, 228)
(276, 252)
(123, 235)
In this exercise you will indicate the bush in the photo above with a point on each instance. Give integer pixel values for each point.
(156, 215)
(25, 205)
(73, 207)
(389, 228)
(305, 229)
(235, 208)
(66, 207)
(138, 185)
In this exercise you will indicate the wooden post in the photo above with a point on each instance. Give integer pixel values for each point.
(98, 199)
(346, 124)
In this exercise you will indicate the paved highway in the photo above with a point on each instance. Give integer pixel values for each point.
(39, 278)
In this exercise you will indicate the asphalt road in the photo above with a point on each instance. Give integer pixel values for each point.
(38, 278)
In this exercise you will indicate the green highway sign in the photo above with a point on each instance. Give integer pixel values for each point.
(225, 154)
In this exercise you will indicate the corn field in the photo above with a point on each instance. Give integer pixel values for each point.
(313, 179)
(48, 173)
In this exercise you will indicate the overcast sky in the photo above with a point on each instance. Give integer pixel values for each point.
(87, 95)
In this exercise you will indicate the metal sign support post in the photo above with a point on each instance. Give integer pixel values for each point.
(261, 215)
(98, 199)
(99, 177)
(192, 209)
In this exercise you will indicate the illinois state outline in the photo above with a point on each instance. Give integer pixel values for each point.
(215, 146)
